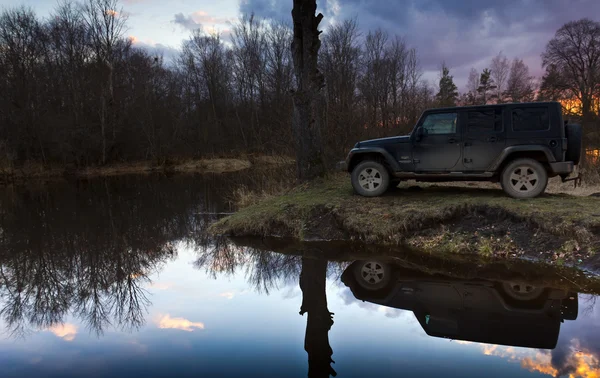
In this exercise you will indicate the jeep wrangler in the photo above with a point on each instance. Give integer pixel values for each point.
(519, 145)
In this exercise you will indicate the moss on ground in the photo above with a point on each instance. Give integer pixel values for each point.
(429, 217)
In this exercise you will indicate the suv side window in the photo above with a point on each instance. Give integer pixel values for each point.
(530, 119)
(484, 121)
(440, 123)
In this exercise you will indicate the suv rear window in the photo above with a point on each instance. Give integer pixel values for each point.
(530, 119)
(484, 120)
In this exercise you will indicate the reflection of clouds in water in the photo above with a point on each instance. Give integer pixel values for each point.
(348, 298)
(576, 354)
(579, 342)
(66, 331)
(292, 292)
(227, 294)
(576, 364)
(138, 347)
(161, 285)
(166, 321)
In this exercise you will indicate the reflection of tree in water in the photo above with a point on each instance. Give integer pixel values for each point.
(267, 270)
(320, 320)
(87, 250)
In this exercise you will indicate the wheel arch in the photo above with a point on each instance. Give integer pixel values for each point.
(541, 154)
(376, 154)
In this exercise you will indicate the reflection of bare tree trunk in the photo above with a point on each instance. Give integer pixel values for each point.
(320, 320)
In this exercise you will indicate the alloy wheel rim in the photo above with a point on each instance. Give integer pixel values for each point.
(524, 179)
(370, 179)
(372, 272)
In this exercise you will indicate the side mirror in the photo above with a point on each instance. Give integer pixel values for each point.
(419, 134)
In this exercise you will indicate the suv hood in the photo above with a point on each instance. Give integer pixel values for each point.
(383, 141)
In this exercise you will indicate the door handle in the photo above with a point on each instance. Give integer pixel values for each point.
(492, 139)
(451, 140)
(468, 144)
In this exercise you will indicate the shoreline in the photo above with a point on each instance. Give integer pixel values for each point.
(558, 229)
(35, 171)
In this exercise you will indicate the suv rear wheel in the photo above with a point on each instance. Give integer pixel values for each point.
(370, 178)
(524, 178)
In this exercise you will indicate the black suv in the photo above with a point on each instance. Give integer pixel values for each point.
(518, 145)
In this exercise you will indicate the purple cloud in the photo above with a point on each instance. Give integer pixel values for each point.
(463, 33)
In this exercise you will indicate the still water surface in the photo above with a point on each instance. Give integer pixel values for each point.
(114, 278)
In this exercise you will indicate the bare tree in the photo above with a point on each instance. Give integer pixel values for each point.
(500, 69)
(340, 63)
(575, 54)
(520, 86)
(309, 100)
(473, 87)
(106, 24)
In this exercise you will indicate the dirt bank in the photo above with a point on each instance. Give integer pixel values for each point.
(556, 228)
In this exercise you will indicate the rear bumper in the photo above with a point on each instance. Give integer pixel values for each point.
(563, 167)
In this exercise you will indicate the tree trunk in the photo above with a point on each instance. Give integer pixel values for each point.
(103, 125)
(309, 98)
(587, 124)
(319, 322)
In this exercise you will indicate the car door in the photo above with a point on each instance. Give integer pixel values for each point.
(484, 137)
(439, 148)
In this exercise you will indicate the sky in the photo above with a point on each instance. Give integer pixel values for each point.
(461, 33)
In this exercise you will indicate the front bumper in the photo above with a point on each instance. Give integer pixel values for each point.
(341, 166)
(562, 168)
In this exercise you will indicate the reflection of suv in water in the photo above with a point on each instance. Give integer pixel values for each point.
(518, 145)
(506, 313)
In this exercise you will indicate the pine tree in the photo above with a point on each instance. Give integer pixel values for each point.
(448, 93)
(486, 86)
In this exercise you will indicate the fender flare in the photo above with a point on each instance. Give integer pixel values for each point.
(524, 148)
(392, 163)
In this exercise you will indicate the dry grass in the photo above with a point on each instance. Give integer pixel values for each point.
(273, 160)
(590, 185)
(212, 165)
(262, 185)
(32, 170)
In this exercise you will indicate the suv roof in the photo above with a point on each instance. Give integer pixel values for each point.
(522, 104)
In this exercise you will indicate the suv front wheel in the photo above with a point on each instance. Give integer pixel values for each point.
(370, 178)
(524, 178)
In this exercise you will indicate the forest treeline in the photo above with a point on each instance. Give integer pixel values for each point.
(75, 90)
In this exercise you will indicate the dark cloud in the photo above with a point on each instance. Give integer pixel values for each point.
(186, 22)
(463, 33)
(277, 9)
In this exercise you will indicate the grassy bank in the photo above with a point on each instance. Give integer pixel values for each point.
(559, 228)
(10, 173)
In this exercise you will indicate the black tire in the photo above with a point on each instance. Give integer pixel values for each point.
(370, 178)
(372, 275)
(524, 178)
(521, 291)
(574, 135)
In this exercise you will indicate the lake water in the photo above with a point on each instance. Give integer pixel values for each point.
(115, 278)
